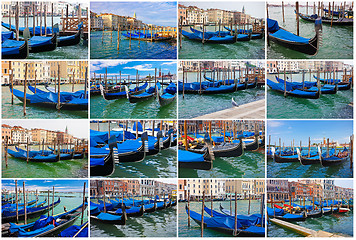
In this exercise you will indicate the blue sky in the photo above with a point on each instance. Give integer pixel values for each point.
(158, 13)
(255, 9)
(344, 183)
(301, 130)
(129, 68)
(44, 185)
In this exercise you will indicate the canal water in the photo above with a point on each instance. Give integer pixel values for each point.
(253, 49)
(337, 40)
(328, 106)
(194, 230)
(68, 200)
(249, 165)
(161, 223)
(74, 168)
(341, 224)
(16, 111)
(106, 47)
(79, 51)
(123, 109)
(195, 105)
(297, 170)
(162, 165)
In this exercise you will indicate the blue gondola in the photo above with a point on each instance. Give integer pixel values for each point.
(169, 94)
(279, 87)
(287, 39)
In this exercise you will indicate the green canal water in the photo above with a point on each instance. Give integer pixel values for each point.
(341, 224)
(253, 49)
(195, 105)
(106, 47)
(194, 230)
(297, 170)
(337, 40)
(162, 165)
(16, 111)
(162, 223)
(328, 106)
(79, 51)
(249, 165)
(74, 168)
(123, 109)
(68, 200)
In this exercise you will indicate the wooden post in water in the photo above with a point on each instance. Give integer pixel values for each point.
(204, 30)
(104, 196)
(185, 135)
(45, 19)
(59, 89)
(188, 209)
(351, 150)
(6, 147)
(211, 202)
(40, 19)
(285, 84)
(24, 203)
(180, 31)
(24, 91)
(327, 148)
(235, 225)
(283, 12)
(52, 200)
(202, 215)
(48, 202)
(249, 203)
(118, 36)
(52, 12)
(27, 150)
(17, 203)
(309, 148)
(332, 17)
(297, 16)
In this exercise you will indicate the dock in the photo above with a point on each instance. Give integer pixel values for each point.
(302, 230)
(252, 110)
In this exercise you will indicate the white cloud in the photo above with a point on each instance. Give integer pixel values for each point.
(275, 124)
(168, 63)
(98, 65)
(142, 67)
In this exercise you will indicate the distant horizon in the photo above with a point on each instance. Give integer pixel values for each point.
(157, 13)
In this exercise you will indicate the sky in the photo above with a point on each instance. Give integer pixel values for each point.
(44, 185)
(157, 13)
(77, 128)
(255, 9)
(301, 130)
(129, 68)
(344, 183)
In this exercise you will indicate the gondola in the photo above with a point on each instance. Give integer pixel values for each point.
(325, 89)
(49, 99)
(340, 84)
(335, 159)
(254, 35)
(221, 89)
(313, 159)
(253, 219)
(214, 39)
(33, 158)
(45, 226)
(130, 212)
(151, 207)
(252, 146)
(118, 94)
(79, 155)
(169, 94)
(279, 87)
(128, 151)
(148, 94)
(72, 39)
(192, 160)
(43, 44)
(234, 149)
(155, 148)
(110, 218)
(280, 214)
(326, 20)
(104, 166)
(226, 224)
(76, 231)
(315, 213)
(287, 39)
(38, 29)
(142, 37)
(160, 205)
(218, 36)
(12, 49)
(9, 216)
